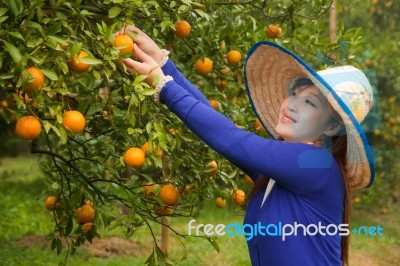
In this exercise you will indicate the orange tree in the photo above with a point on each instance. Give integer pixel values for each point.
(95, 118)
(380, 19)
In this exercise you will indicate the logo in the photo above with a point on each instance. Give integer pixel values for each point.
(280, 230)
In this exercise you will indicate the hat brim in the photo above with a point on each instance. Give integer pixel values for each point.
(269, 69)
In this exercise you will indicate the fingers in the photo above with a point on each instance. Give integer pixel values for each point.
(143, 65)
(142, 56)
(139, 34)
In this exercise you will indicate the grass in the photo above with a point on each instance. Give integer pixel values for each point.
(22, 214)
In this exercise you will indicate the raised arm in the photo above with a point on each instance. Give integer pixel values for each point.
(300, 167)
(169, 68)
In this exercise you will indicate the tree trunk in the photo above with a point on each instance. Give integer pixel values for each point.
(164, 235)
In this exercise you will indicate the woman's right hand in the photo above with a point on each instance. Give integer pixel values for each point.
(144, 42)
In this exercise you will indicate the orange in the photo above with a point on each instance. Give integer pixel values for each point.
(134, 157)
(220, 202)
(273, 31)
(214, 103)
(234, 57)
(160, 211)
(124, 42)
(248, 180)
(73, 121)
(182, 29)
(85, 214)
(169, 194)
(86, 227)
(4, 104)
(212, 165)
(148, 188)
(258, 126)
(37, 79)
(238, 197)
(50, 203)
(204, 66)
(28, 127)
(76, 65)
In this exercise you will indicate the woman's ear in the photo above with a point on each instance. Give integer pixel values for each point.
(334, 129)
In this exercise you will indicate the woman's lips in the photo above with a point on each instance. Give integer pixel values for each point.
(287, 119)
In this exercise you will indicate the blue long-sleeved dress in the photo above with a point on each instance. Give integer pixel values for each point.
(308, 185)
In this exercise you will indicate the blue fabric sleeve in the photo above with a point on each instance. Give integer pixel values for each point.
(300, 167)
(170, 69)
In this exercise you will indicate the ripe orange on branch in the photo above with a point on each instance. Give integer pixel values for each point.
(50, 203)
(214, 103)
(238, 197)
(85, 214)
(203, 66)
(73, 121)
(124, 43)
(220, 202)
(28, 127)
(233, 57)
(182, 29)
(273, 31)
(134, 157)
(37, 79)
(169, 194)
(76, 65)
(214, 166)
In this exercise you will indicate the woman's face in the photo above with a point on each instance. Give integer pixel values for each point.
(304, 116)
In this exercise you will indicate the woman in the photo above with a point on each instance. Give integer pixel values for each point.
(303, 177)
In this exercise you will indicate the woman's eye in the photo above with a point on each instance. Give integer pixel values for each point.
(293, 93)
(310, 103)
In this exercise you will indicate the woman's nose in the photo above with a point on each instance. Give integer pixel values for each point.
(292, 104)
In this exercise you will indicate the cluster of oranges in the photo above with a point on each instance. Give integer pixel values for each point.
(85, 214)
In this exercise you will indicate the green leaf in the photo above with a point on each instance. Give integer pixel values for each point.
(13, 51)
(58, 39)
(213, 242)
(114, 12)
(148, 92)
(34, 25)
(85, 12)
(63, 135)
(2, 19)
(16, 35)
(3, 11)
(76, 48)
(6, 76)
(139, 79)
(50, 74)
(91, 60)
(16, 7)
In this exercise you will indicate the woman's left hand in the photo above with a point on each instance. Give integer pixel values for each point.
(145, 66)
